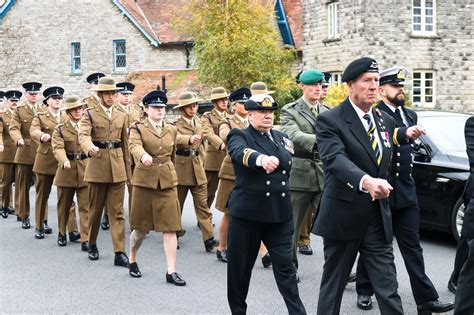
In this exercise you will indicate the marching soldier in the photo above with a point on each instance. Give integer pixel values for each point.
(298, 120)
(70, 172)
(226, 174)
(103, 137)
(215, 149)
(25, 155)
(93, 79)
(260, 206)
(7, 154)
(190, 168)
(124, 100)
(154, 199)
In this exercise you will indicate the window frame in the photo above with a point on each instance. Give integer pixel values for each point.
(423, 17)
(333, 19)
(75, 70)
(423, 87)
(115, 45)
(335, 78)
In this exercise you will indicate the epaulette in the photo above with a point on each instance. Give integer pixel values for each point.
(290, 104)
(173, 122)
(89, 108)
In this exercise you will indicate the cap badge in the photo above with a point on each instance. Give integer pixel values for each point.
(267, 102)
(401, 75)
(374, 65)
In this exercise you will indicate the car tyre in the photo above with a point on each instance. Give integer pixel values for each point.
(457, 218)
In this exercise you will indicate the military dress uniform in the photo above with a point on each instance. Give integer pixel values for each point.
(106, 172)
(214, 155)
(298, 120)
(93, 79)
(70, 182)
(7, 161)
(260, 210)
(25, 156)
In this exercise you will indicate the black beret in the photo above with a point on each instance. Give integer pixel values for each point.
(241, 95)
(127, 87)
(359, 66)
(156, 98)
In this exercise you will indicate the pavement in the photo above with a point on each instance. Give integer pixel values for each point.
(39, 277)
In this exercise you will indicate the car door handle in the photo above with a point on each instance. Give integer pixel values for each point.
(442, 180)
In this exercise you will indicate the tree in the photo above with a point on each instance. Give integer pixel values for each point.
(236, 43)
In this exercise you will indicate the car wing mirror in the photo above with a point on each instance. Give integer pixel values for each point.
(422, 152)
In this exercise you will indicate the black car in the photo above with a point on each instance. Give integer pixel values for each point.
(440, 170)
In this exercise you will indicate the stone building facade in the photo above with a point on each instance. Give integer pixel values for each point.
(38, 38)
(432, 38)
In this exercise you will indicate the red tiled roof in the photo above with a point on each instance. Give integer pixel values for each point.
(294, 15)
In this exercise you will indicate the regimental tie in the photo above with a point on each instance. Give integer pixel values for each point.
(373, 139)
(398, 116)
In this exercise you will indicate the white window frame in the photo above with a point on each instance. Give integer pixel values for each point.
(74, 57)
(116, 54)
(423, 17)
(422, 88)
(335, 77)
(333, 19)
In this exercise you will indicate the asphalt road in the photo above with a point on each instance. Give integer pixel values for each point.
(38, 277)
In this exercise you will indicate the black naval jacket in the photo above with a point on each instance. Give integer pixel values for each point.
(404, 190)
(468, 196)
(259, 196)
(344, 146)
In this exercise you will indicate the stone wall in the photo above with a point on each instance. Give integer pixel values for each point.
(39, 36)
(383, 30)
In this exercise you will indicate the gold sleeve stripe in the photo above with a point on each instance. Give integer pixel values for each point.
(395, 132)
(247, 153)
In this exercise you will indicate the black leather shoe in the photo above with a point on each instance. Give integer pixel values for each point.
(352, 277)
(134, 271)
(105, 222)
(5, 213)
(210, 244)
(47, 229)
(175, 278)
(452, 287)
(74, 236)
(121, 260)
(62, 240)
(93, 252)
(305, 250)
(181, 233)
(18, 218)
(434, 307)
(84, 247)
(266, 261)
(364, 302)
(222, 255)
(39, 234)
(25, 223)
(11, 210)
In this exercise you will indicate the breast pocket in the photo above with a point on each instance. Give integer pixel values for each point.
(99, 130)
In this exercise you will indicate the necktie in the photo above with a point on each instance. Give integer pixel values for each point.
(109, 112)
(77, 127)
(398, 117)
(246, 122)
(373, 139)
(314, 110)
(158, 129)
(269, 137)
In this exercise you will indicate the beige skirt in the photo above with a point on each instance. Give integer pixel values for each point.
(155, 210)
(223, 194)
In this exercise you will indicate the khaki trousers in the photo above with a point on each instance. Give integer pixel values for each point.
(43, 184)
(7, 178)
(23, 179)
(112, 195)
(203, 214)
(212, 183)
(305, 229)
(67, 210)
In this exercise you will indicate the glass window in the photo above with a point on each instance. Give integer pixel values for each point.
(76, 57)
(424, 92)
(120, 55)
(424, 19)
(333, 20)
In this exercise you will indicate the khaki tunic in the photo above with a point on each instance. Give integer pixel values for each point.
(8, 154)
(210, 131)
(7, 157)
(110, 165)
(155, 203)
(133, 113)
(44, 123)
(91, 101)
(190, 170)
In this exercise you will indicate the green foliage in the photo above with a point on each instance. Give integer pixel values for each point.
(337, 94)
(236, 43)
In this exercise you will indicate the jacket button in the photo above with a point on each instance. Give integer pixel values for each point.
(289, 162)
(397, 174)
(159, 148)
(398, 153)
(268, 194)
(411, 165)
(283, 172)
(268, 182)
(283, 194)
(398, 164)
(283, 183)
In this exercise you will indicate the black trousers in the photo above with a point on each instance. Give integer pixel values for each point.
(406, 225)
(462, 252)
(464, 302)
(242, 250)
(377, 255)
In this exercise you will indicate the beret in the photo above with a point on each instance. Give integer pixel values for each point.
(311, 76)
(359, 66)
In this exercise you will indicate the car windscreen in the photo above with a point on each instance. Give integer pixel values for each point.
(446, 132)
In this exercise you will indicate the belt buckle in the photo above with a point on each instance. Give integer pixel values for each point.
(77, 156)
(109, 145)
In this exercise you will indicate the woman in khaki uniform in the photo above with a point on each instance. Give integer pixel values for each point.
(45, 165)
(7, 154)
(70, 171)
(155, 204)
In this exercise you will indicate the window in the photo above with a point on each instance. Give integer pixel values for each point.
(424, 88)
(333, 20)
(424, 17)
(76, 57)
(120, 55)
(335, 77)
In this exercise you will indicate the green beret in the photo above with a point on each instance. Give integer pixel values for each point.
(311, 76)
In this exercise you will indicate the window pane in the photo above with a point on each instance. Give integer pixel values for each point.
(428, 75)
(416, 3)
(429, 12)
(429, 83)
(429, 28)
(416, 99)
(416, 27)
(417, 11)
(416, 91)
(120, 48)
(429, 91)
(121, 62)
(77, 64)
(429, 20)
(429, 99)
(417, 19)
(417, 75)
(429, 3)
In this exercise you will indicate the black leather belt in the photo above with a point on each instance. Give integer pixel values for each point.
(108, 144)
(307, 155)
(187, 152)
(76, 156)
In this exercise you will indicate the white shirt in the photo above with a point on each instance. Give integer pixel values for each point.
(402, 113)
(107, 109)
